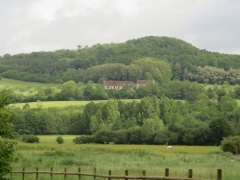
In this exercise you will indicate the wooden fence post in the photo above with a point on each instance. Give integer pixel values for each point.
(65, 174)
(36, 173)
(126, 174)
(190, 173)
(23, 169)
(79, 175)
(219, 174)
(109, 177)
(109, 174)
(51, 170)
(95, 172)
(143, 174)
(166, 172)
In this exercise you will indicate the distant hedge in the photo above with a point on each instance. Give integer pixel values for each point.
(83, 139)
(30, 139)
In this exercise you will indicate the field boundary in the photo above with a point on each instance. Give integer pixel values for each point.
(110, 176)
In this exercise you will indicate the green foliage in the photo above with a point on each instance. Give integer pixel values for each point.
(231, 144)
(104, 136)
(121, 137)
(84, 139)
(134, 135)
(6, 145)
(6, 153)
(151, 120)
(131, 60)
(183, 90)
(59, 140)
(219, 128)
(30, 139)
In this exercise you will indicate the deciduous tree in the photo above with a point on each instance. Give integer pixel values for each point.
(6, 145)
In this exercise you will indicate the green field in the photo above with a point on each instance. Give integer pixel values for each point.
(204, 160)
(23, 87)
(47, 104)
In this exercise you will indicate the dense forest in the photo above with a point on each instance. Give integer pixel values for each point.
(151, 120)
(125, 61)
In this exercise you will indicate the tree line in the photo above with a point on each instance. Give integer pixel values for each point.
(180, 90)
(124, 61)
(150, 120)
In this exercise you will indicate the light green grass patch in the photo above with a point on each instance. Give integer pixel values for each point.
(204, 160)
(50, 142)
(48, 104)
(23, 87)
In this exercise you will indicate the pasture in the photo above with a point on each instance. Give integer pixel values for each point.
(204, 160)
(23, 87)
(49, 104)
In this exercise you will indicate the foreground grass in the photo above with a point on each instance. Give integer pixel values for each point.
(204, 160)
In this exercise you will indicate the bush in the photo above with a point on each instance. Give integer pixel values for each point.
(121, 137)
(231, 144)
(83, 139)
(6, 154)
(30, 139)
(104, 136)
(6, 130)
(59, 140)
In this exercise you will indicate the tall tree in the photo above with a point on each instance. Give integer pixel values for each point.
(6, 146)
(68, 90)
(111, 114)
(219, 128)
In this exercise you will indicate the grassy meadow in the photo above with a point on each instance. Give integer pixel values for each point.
(23, 87)
(48, 104)
(204, 160)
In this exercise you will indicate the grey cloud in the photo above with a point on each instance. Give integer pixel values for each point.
(216, 27)
(213, 25)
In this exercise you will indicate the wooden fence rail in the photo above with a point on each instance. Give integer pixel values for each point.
(110, 176)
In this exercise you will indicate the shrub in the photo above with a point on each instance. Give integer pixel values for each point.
(6, 154)
(59, 140)
(30, 139)
(121, 137)
(6, 130)
(83, 139)
(104, 136)
(231, 144)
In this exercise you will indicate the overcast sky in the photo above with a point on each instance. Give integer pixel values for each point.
(48, 25)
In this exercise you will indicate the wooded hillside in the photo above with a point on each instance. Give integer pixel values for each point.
(166, 59)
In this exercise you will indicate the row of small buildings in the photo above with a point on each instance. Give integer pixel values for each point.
(120, 84)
